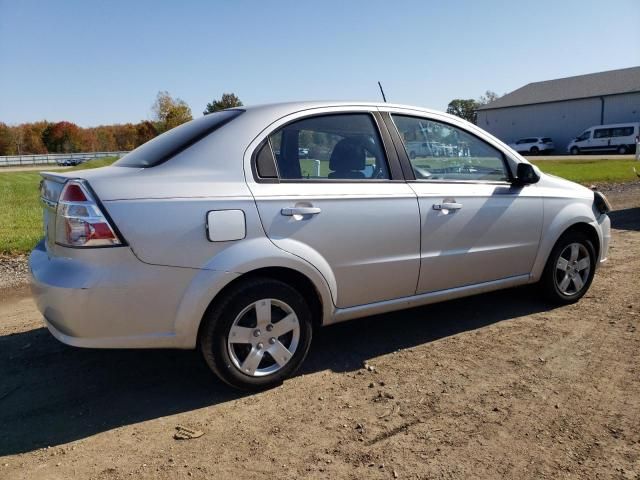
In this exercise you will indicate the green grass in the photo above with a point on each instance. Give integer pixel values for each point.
(591, 171)
(21, 211)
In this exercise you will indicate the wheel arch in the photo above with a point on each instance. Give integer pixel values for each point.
(582, 225)
(294, 278)
(586, 229)
(210, 284)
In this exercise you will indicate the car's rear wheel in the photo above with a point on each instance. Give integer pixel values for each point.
(575, 150)
(257, 335)
(622, 149)
(534, 150)
(569, 269)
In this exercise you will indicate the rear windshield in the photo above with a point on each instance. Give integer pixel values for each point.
(170, 143)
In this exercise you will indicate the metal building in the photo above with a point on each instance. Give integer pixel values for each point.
(563, 108)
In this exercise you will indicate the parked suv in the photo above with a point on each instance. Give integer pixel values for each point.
(204, 237)
(534, 145)
(617, 137)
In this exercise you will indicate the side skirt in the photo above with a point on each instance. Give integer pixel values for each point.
(344, 314)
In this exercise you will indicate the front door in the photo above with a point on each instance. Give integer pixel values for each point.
(336, 204)
(476, 227)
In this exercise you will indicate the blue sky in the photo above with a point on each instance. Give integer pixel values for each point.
(99, 62)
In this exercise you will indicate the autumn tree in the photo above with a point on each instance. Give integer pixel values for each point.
(5, 139)
(170, 112)
(228, 100)
(62, 137)
(145, 131)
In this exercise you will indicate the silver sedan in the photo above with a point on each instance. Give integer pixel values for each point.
(221, 235)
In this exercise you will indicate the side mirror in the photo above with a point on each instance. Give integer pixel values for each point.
(526, 175)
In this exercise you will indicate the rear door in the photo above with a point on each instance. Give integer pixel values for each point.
(476, 226)
(343, 205)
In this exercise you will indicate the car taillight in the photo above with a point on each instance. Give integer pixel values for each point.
(79, 220)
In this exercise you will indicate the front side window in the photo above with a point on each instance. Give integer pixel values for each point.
(330, 147)
(584, 136)
(439, 151)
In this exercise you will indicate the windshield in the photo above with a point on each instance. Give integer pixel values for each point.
(170, 143)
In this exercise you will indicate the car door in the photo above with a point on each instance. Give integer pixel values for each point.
(601, 139)
(477, 227)
(344, 207)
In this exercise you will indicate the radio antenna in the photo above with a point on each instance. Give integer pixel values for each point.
(382, 92)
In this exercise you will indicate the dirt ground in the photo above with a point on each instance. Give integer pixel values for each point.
(494, 386)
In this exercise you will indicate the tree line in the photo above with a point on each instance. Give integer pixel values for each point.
(168, 112)
(67, 137)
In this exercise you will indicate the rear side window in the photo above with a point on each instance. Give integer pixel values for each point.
(170, 143)
(330, 147)
(622, 132)
(547, 140)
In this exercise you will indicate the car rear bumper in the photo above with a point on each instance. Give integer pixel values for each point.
(109, 299)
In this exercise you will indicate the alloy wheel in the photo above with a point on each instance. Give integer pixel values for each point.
(572, 269)
(263, 337)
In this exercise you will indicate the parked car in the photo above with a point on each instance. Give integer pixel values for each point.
(69, 162)
(203, 238)
(534, 145)
(616, 137)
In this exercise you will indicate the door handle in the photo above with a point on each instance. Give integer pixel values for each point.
(290, 212)
(447, 206)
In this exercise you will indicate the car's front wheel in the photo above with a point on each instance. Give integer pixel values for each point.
(534, 150)
(574, 151)
(569, 269)
(257, 335)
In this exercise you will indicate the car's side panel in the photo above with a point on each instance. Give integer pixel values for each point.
(563, 208)
(366, 235)
(173, 232)
(245, 257)
(494, 235)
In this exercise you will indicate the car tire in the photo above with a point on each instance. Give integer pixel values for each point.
(569, 270)
(574, 151)
(257, 361)
(534, 150)
(622, 149)
(412, 155)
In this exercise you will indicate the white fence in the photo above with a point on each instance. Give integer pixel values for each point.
(55, 158)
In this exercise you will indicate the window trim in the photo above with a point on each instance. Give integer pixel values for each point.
(407, 161)
(391, 155)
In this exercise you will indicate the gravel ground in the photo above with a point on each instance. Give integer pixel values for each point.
(14, 271)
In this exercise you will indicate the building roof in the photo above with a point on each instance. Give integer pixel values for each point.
(613, 82)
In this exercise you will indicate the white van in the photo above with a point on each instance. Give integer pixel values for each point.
(617, 137)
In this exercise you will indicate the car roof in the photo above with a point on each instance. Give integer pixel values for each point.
(306, 105)
(608, 125)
